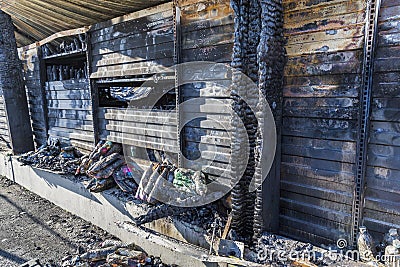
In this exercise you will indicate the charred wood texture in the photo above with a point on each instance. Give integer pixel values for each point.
(18, 132)
(258, 53)
(271, 61)
(158, 212)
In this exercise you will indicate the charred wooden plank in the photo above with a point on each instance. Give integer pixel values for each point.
(327, 23)
(323, 46)
(208, 37)
(311, 227)
(319, 149)
(135, 55)
(332, 129)
(134, 44)
(138, 24)
(216, 53)
(343, 173)
(384, 156)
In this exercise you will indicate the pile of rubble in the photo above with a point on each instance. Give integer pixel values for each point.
(113, 253)
(106, 168)
(386, 252)
(53, 156)
(279, 251)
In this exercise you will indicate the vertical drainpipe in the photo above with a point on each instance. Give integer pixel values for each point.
(13, 89)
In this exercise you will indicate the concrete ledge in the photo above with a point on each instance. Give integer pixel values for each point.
(164, 238)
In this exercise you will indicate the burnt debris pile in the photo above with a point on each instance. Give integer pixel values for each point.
(161, 187)
(113, 253)
(54, 156)
(278, 251)
(107, 168)
(378, 253)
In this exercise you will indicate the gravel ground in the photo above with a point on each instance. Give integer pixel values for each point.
(32, 227)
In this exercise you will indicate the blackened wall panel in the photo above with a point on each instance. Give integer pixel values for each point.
(322, 83)
(207, 35)
(70, 112)
(382, 196)
(142, 44)
(31, 69)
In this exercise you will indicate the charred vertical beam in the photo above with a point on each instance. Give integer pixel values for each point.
(271, 61)
(252, 95)
(94, 91)
(258, 53)
(238, 133)
(43, 78)
(247, 29)
(12, 88)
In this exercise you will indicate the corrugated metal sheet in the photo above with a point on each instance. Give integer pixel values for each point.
(35, 20)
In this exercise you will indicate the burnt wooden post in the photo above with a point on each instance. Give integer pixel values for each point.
(271, 59)
(12, 88)
(94, 91)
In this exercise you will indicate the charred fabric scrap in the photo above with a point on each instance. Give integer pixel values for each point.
(258, 53)
(112, 253)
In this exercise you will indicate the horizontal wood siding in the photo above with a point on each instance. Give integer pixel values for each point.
(70, 112)
(321, 91)
(141, 45)
(382, 196)
(207, 35)
(140, 128)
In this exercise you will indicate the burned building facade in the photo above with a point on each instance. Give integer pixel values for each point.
(328, 69)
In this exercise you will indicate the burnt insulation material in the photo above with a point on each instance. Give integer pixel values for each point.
(258, 52)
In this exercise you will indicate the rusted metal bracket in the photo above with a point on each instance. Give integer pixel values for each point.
(373, 7)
